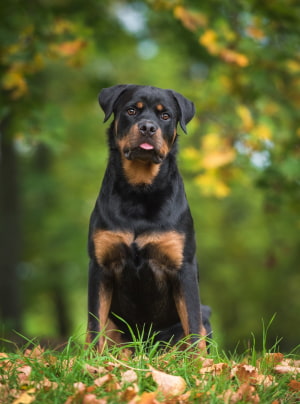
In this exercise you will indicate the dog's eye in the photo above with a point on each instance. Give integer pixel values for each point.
(165, 116)
(131, 111)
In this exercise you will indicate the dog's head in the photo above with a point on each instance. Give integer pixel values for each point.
(145, 119)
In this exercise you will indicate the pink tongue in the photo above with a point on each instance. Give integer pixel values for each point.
(146, 146)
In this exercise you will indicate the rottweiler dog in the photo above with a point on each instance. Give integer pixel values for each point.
(143, 274)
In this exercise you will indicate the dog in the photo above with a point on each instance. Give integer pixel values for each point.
(143, 273)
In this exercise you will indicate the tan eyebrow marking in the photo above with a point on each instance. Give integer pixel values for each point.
(160, 107)
(140, 105)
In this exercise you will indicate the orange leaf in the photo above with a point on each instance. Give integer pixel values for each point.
(69, 48)
(245, 373)
(92, 399)
(190, 20)
(145, 398)
(169, 385)
(294, 385)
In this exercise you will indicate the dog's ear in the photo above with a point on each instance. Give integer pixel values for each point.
(108, 97)
(186, 109)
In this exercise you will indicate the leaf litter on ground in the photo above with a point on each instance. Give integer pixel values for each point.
(36, 375)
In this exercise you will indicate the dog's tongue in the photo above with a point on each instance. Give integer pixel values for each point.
(146, 146)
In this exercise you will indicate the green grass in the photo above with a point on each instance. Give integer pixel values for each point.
(78, 375)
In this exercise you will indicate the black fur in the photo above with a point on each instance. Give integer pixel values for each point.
(141, 237)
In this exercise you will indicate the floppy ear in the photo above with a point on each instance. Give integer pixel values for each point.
(186, 109)
(108, 97)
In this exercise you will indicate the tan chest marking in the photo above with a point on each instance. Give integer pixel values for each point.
(140, 172)
(108, 245)
(166, 247)
(164, 250)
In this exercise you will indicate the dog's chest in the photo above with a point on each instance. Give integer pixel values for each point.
(119, 251)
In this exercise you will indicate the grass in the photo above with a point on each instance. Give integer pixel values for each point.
(150, 375)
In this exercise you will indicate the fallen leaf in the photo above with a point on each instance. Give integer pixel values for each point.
(92, 399)
(294, 385)
(167, 384)
(245, 373)
(25, 398)
(215, 369)
(94, 370)
(24, 373)
(129, 376)
(145, 398)
(46, 384)
(245, 393)
(273, 358)
(129, 393)
(79, 386)
(286, 369)
(36, 352)
(265, 380)
(102, 380)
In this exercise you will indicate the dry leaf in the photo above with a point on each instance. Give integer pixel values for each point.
(294, 385)
(129, 376)
(102, 380)
(92, 399)
(94, 370)
(286, 369)
(130, 393)
(215, 369)
(169, 385)
(145, 398)
(24, 373)
(245, 373)
(265, 380)
(273, 358)
(25, 398)
(79, 386)
(245, 393)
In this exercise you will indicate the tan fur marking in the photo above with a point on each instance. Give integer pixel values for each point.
(105, 297)
(140, 172)
(140, 104)
(182, 312)
(160, 107)
(170, 243)
(105, 240)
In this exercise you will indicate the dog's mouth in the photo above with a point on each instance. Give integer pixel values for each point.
(145, 151)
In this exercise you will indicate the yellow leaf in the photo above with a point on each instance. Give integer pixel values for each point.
(245, 114)
(211, 185)
(293, 66)
(218, 158)
(15, 82)
(262, 132)
(216, 151)
(25, 398)
(209, 41)
(191, 153)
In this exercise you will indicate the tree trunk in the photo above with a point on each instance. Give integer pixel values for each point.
(10, 235)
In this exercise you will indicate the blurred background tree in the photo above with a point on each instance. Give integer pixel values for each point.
(240, 64)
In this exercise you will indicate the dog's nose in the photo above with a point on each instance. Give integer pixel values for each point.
(147, 128)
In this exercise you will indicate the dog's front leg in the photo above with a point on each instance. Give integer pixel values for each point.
(99, 302)
(187, 300)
